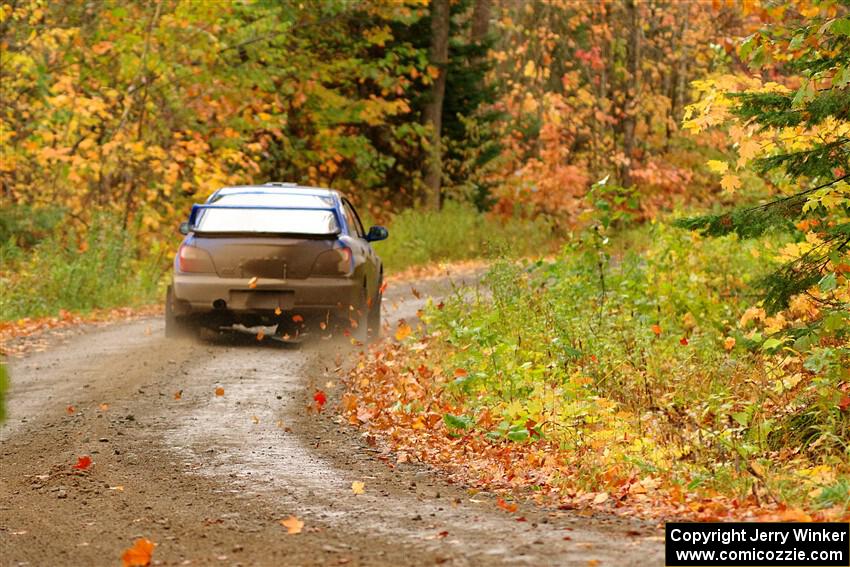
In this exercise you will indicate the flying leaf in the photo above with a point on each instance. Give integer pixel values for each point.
(219, 391)
(261, 335)
(730, 182)
(140, 554)
(277, 311)
(83, 463)
(297, 319)
(252, 283)
(358, 487)
(320, 399)
(383, 287)
(293, 525)
(403, 331)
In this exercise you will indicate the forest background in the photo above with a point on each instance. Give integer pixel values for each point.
(685, 162)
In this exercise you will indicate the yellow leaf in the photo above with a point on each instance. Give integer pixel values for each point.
(718, 166)
(403, 331)
(277, 311)
(293, 525)
(358, 487)
(730, 183)
(252, 283)
(529, 69)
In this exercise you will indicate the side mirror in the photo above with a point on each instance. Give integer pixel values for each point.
(377, 233)
(184, 228)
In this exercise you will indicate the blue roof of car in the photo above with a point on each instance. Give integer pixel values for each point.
(275, 189)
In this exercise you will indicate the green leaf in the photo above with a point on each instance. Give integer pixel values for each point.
(828, 283)
(771, 344)
(457, 421)
(841, 26)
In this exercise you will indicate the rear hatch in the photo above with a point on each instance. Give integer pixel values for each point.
(263, 257)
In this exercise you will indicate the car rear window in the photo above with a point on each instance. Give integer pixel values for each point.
(275, 221)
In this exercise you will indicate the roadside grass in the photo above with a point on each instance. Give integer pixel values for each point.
(459, 232)
(108, 267)
(644, 374)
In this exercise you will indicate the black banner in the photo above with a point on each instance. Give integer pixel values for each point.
(745, 544)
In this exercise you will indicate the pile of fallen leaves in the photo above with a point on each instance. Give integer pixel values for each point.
(397, 391)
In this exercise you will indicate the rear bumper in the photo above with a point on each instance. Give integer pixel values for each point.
(203, 293)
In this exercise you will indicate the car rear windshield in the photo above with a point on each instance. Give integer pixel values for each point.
(274, 221)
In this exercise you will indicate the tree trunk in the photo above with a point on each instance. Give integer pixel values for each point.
(480, 21)
(439, 58)
(632, 93)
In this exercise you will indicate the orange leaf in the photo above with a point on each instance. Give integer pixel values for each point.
(219, 391)
(252, 283)
(277, 311)
(70, 410)
(103, 407)
(657, 330)
(512, 507)
(844, 403)
(83, 463)
(297, 319)
(320, 399)
(140, 554)
(293, 525)
(178, 394)
(403, 331)
(261, 335)
(383, 287)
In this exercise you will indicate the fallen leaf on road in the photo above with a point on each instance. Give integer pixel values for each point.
(415, 293)
(178, 394)
(358, 487)
(592, 562)
(140, 554)
(600, 498)
(255, 419)
(219, 391)
(70, 410)
(118, 488)
(83, 463)
(103, 407)
(293, 525)
(512, 507)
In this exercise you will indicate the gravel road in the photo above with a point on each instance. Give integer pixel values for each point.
(208, 477)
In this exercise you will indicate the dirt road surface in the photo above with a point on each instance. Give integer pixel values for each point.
(209, 477)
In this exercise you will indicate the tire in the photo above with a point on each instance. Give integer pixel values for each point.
(175, 326)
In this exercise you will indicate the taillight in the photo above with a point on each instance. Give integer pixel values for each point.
(335, 262)
(194, 259)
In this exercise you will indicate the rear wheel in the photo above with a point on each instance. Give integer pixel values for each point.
(175, 326)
